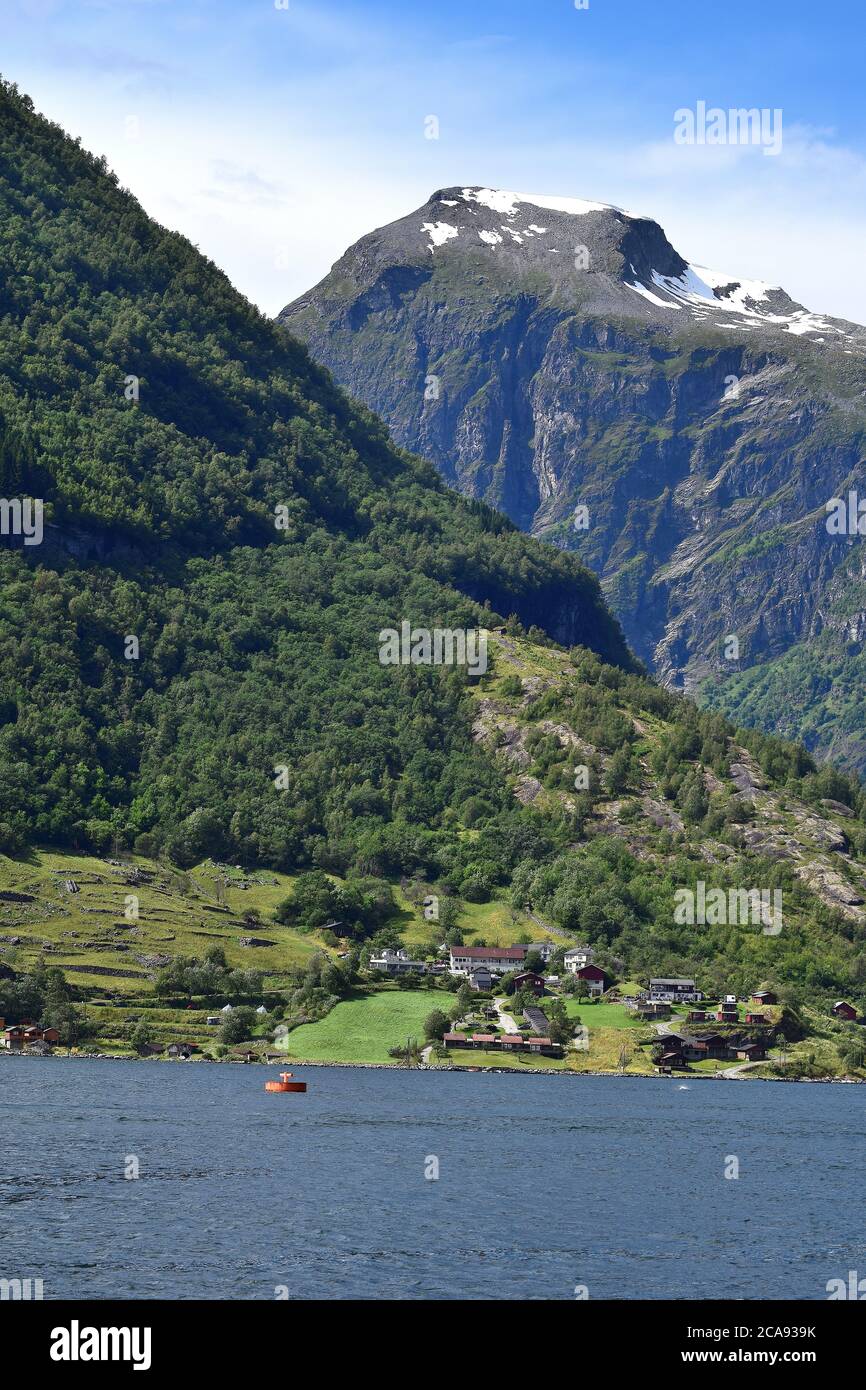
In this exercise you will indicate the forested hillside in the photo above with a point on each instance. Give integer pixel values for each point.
(209, 493)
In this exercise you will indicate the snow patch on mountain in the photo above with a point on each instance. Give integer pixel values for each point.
(700, 288)
(702, 292)
(498, 200)
(653, 298)
(440, 232)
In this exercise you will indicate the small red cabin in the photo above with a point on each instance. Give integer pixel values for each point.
(527, 979)
(845, 1010)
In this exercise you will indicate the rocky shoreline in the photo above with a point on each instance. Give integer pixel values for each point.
(397, 1066)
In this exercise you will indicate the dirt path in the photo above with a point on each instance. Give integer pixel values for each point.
(734, 1072)
(506, 1021)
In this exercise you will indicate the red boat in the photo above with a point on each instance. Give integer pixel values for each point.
(286, 1083)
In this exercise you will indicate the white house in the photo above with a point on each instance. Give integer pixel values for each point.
(498, 959)
(673, 991)
(396, 962)
(578, 957)
(544, 948)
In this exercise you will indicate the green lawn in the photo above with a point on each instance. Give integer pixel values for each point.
(363, 1029)
(600, 1015)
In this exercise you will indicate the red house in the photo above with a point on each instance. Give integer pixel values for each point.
(594, 976)
(843, 1010)
(764, 996)
(527, 979)
(22, 1035)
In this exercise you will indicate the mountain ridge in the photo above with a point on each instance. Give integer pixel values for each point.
(703, 423)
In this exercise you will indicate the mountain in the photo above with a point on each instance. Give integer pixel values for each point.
(682, 429)
(190, 660)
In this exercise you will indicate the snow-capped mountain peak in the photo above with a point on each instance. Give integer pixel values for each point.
(619, 249)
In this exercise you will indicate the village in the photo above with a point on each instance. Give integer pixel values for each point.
(739, 1031)
(510, 1006)
(205, 972)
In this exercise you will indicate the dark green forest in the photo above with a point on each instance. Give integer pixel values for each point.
(256, 640)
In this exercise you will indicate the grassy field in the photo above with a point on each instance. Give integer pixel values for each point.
(605, 1047)
(601, 1015)
(603, 1055)
(363, 1029)
(494, 921)
(95, 936)
(178, 913)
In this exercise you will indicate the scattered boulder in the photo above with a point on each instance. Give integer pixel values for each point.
(831, 888)
(747, 780)
(527, 790)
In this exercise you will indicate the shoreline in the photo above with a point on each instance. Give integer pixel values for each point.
(396, 1066)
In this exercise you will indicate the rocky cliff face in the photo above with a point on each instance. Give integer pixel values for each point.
(682, 429)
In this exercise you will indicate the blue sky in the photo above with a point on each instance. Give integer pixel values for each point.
(274, 138)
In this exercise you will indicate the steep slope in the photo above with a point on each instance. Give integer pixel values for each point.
(225, 535)
(670, 799)
(681, 429)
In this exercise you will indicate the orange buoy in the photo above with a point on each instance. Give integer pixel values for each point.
(285, 1083)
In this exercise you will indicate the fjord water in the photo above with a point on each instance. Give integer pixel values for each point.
(545, 1183)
